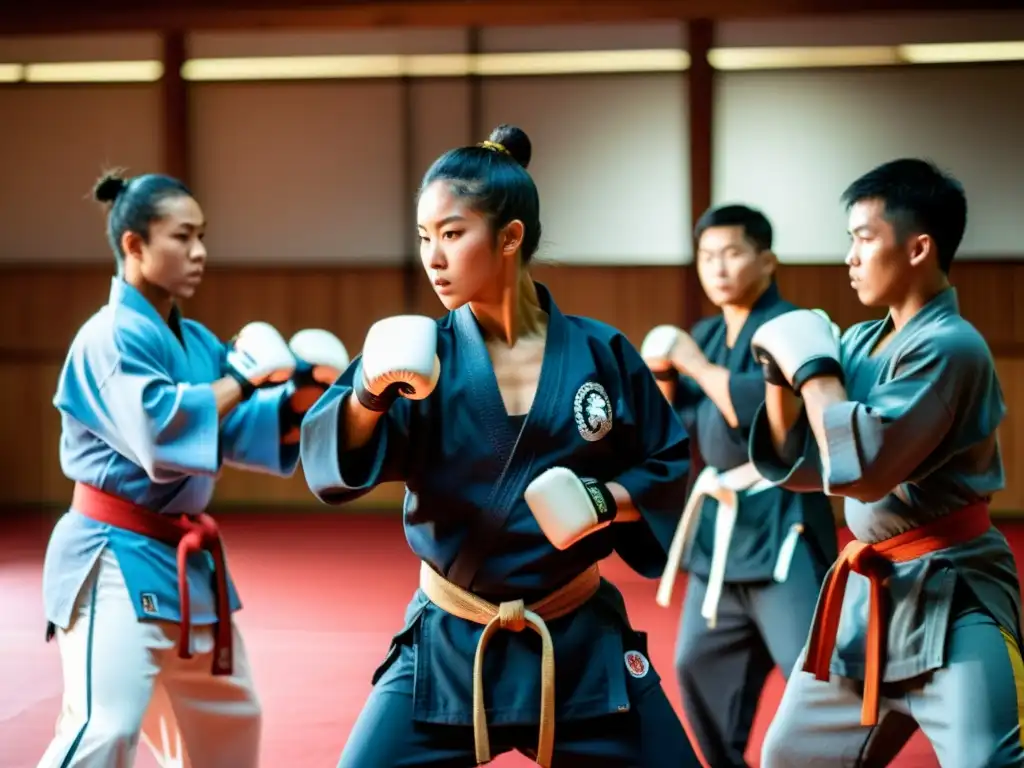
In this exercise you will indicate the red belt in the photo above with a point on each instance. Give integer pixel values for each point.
(189, 534)
(872, 560)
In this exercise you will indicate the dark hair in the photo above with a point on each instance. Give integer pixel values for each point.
(918, 198)
(756, 227)
(134, 204)
(493, 176)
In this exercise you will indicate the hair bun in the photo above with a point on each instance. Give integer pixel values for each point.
(515, 141)
(109, 187)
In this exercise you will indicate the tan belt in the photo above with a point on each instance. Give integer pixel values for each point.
(725, 488)
(515, 616)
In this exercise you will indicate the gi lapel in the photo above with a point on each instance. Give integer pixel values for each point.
(476, 367)
(740, 358)
(515, 451)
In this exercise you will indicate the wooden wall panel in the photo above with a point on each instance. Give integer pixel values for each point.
(41, 308)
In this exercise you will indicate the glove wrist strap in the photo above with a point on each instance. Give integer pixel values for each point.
(813, 369)
(602, 499)
(370, 401)
(247, 386)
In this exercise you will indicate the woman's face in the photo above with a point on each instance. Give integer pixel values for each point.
(174, 257)
(458, 248)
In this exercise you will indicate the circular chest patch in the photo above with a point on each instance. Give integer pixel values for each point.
(592, 410)
(637, 664)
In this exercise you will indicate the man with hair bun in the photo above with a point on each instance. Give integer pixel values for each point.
(135, 582)
(532, 444)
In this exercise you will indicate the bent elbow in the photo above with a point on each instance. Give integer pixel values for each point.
(865, 490)
(170, 460)
(158, 471)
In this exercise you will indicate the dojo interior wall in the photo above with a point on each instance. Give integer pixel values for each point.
(309, 187)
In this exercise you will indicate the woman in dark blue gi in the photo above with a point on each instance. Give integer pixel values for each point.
(533, 444)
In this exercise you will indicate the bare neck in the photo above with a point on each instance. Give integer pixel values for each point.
(736, 315)
(161, 300)
(915, 299)
(516, 313)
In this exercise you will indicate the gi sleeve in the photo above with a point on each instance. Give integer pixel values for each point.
(897, 432)
(746, 392)
(659, 450)
(797, 466)
(170, 429)
(336, 475)
(251, 434)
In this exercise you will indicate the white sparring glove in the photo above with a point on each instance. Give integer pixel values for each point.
(796, 347)
(567, 507)
(320, 358)
(657, 349)
(259, 357)
(399, 360)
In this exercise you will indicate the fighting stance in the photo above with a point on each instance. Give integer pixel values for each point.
(918, 624)
(756, 554)
(152, 405)
(532, 444)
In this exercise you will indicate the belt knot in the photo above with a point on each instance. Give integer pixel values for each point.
(512, 615)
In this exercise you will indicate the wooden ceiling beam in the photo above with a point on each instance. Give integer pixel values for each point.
(74, 16)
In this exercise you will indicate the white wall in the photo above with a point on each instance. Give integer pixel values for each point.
(316, 172)
(790, 142)
(58, 142)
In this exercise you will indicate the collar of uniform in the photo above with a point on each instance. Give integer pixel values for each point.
(943, 303)
(547, 303)
(127, 295)
(769, 297)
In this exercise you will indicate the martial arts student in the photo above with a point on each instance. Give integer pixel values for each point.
(756, 554)
(919, 619)
(152, 406)
(532, 445)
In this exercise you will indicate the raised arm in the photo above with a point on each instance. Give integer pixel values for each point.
(170, 429)
(262, 434)
(358, 434)
(864, 449)
(939, 389)
(686, 376)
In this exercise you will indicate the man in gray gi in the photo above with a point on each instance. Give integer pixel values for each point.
(918, 624)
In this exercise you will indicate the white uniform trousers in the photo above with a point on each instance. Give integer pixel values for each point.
(123, 679)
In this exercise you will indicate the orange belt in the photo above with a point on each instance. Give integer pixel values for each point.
(189, 534)
(871, 561)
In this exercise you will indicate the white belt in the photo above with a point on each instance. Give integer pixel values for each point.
(725, 488)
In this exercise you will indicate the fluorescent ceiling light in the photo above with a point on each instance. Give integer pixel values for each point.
(863, 56)
(801, 58)
(291, 68)
(94, 72)
(580, 62)
(511, 64)
(11, 73)
(962, 53)
(434, 65)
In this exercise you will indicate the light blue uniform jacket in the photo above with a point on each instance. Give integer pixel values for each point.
(139, 421)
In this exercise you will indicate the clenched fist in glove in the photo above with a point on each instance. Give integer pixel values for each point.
(657, 348)
(567, 507)
(668, 351)
(320, 358)
(796, 347)
(399, 360)
(258, 357)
